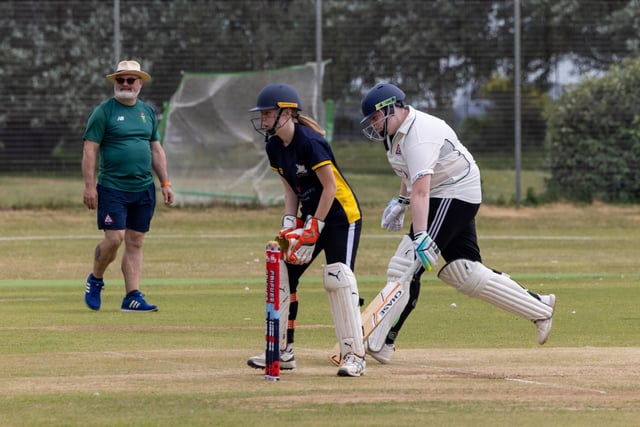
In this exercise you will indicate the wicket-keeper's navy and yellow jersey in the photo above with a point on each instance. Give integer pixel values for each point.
(297, 162)
(125, 134)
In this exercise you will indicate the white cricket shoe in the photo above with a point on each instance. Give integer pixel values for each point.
(353, 366)
(544, 325)
(287, 360)
(384, 355)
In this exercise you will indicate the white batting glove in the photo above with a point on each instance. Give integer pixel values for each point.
(393, 215)
(426, 249)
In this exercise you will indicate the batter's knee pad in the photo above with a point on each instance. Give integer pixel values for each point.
(472, 278)
(344, 302)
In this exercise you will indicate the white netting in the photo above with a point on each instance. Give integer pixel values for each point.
(213, 152)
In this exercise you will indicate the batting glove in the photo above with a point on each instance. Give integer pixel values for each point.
(393, 214)
(426, 249)
(302, 242)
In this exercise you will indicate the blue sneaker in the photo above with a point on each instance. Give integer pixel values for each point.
(136, 302)
(92, 292)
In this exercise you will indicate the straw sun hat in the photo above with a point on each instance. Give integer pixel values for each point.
(129, 68)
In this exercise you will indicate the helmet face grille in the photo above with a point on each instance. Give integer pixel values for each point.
(370, 132)
(368, 126)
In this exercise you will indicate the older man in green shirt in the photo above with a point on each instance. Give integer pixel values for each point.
(122, 133)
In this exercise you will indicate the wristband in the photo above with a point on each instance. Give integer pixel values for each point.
(165, 184)
(404, 200)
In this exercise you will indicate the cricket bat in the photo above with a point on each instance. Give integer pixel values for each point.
(392, 295)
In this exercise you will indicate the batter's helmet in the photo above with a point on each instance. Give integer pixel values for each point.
(277, 95)
(380, 96)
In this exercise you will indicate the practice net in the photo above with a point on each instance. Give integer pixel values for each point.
(214, 155)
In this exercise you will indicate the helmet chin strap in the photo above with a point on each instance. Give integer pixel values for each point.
(272, 130)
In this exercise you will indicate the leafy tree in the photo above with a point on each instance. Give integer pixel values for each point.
(424, 46)
(493, 130)
(55, 53)
(593, 138)
(180, 36)
(47, 72)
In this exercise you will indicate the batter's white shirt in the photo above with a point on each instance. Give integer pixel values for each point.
(425, 144)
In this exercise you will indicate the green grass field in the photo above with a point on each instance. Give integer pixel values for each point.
(363, 163)
(460, 361)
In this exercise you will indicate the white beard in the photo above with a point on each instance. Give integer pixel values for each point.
(126, 94)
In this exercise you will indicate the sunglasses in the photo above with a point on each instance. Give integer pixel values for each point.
(129, 80)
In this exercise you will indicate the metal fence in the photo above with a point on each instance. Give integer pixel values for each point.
(55, 55)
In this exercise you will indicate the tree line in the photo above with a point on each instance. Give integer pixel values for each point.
(55, 54)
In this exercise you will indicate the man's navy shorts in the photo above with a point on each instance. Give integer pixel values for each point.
(118, 209)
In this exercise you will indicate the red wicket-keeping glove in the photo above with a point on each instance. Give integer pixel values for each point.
(302, 242)
(289, 223)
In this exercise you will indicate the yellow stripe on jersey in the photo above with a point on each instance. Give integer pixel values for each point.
(326, 162)
(346, 198)
(344, 195)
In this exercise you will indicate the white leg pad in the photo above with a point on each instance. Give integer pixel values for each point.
(285, 300)
(472, 278)
(399, 263)
(344, 302)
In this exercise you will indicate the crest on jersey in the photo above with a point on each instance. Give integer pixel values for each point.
(301, 170)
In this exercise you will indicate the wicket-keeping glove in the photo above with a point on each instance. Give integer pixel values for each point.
(393, 214)
(302, 242)
(289, 223)
(426, 249)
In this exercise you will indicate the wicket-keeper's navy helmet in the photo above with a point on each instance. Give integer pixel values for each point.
(378, 97)
(277, 95)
